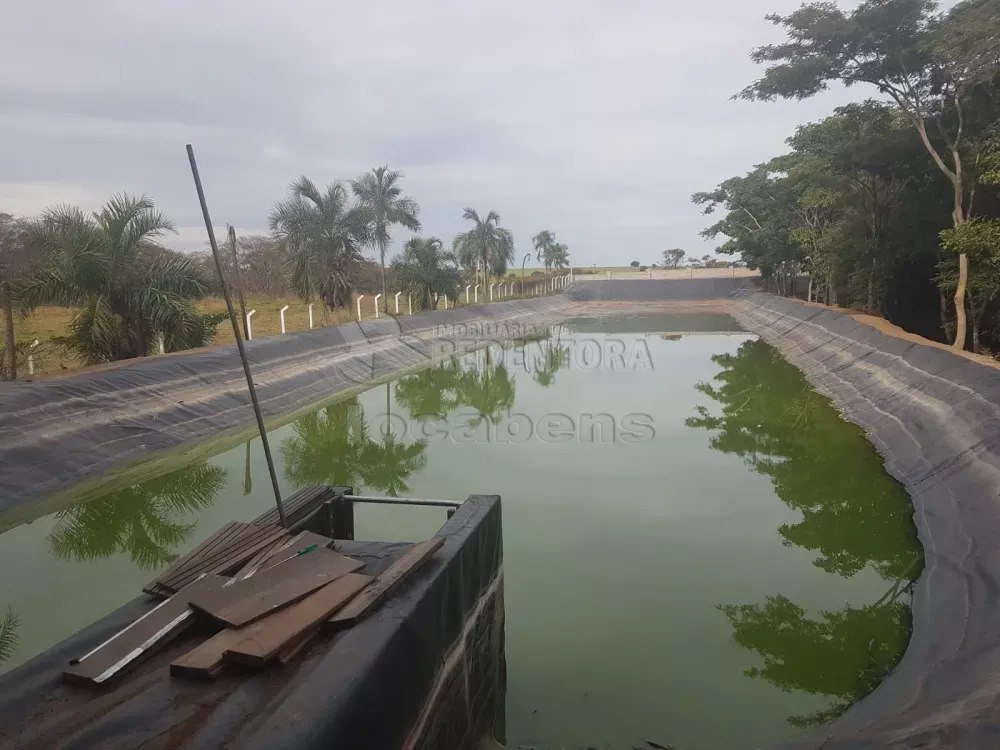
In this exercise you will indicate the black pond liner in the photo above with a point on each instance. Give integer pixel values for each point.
(55, 432)
(425, 672)
(934, 416)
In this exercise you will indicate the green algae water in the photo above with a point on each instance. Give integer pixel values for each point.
(698, 550)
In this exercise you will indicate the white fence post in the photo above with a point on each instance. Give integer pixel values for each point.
(360, 297)
(409, 303)
(282, 313)
(31, 357)
(397, 302)
(467, 288)
(310, 316)
(376, 303)
(491, 291)
(249, 325)
(159, 343)
(477, 293)
(446, 302)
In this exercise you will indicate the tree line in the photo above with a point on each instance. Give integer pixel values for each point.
(889, 205)
(131, 294)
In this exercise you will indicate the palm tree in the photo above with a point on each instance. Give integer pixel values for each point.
(142, 520)
(544, 241)
(488, 244)
(323, 235)
(129, 290)
(426, 269)
(559, 256)
(382, 198)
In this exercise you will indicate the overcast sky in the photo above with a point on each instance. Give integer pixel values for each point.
(592, 118)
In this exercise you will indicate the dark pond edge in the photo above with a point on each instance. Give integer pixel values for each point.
(57, 432)
(934, 417)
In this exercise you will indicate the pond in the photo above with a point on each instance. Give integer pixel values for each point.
(698, 549)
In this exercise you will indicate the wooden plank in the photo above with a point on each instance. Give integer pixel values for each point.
(264, 639)
(298, 505)
(372, 597)
(295, 647)
(201, 563)
(234, 558)
(287, 580)
(264, 559)
(191, 557)
(206, 661)
(141, 638)
(245, 535)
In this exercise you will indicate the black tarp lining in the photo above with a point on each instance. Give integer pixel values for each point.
(56, 432)
(934, 416)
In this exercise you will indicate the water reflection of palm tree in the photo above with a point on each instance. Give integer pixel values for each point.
(853, 515)
(389, 464)
(430, 393)
(141, 520)
(333, 446)
(488, 389)
(555, 357)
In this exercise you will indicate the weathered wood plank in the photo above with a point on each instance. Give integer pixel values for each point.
(267, 557)
(264, 639)
(370, 599)
(287, 580)
(206, 660)
(237, 534)
(141, 638)
(186, 561)
(230, 560)
(298, 505)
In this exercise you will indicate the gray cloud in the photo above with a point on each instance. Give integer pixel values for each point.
(594, 119)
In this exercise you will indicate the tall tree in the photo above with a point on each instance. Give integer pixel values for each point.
(924, 62)
(543, 242)
(128, 290)
(323, 235)
(427, 270)
(488, 244)
(559, 256)
(382, 198)
(673, 257)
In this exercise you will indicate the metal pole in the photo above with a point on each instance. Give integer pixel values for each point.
(239, 338)
(236, 275)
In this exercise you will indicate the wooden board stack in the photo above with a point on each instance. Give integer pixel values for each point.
(280, 591)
